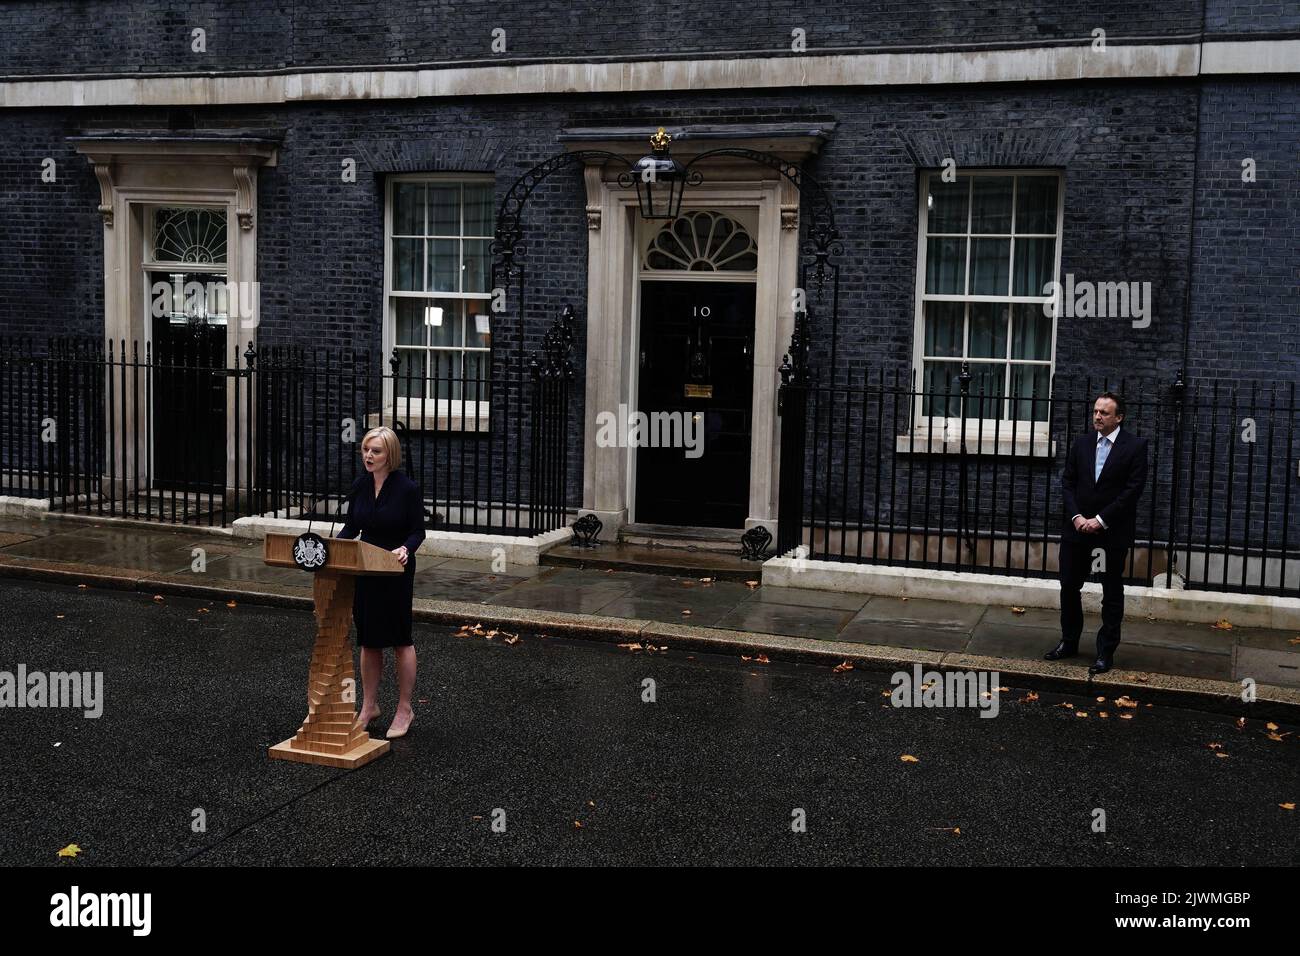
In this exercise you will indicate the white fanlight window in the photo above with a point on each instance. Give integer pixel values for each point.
(185, 265)
(701, 241)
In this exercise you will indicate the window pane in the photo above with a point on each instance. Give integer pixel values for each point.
(448, 331)
(1035, 261)
(1036, 204)
(479, 212)
(943, 327)
(942, 389)
(1031, 336)
(408, 209)
(945, 266)
(987, 387)
(444, 209)
(408, 265)
(990, 266)
(991, 204)
(410, 373)
(410, 321)
(947, 204)
(478, 265)
(1029, 383)
(478, 324)
(444, 265)
(476, 376)
(446, 373)
(988, 330)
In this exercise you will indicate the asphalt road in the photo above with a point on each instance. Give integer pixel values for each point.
(555, 733)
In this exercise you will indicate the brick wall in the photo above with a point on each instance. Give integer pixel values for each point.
(145, 36)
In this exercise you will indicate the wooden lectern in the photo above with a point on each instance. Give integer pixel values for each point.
(328, 736)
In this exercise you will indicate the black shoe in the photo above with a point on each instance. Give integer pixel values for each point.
(1101, 665)
(1062, 650)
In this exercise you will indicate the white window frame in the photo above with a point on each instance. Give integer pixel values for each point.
(443, 414)
(1001, 435)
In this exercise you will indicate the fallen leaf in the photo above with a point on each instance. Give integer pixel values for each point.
(886, 693)
(1004, 690)
(754, 584)
(591, 803)
(842, 667)
(745, 658)
(905, 600)
(477, 816)
(230, 604)
(157, 598)
(1081, 713)
(1102, 713)
(58, 743)
(1066, 704)
(1222, 624)
(1273, 736)
(706, 580)
(577, 825)
(1017, 610)
(1271, 726)
(761, 659)
(1241, 723)
(1294, 640)
(1030, 697)
(1101, 700)
(955, 831)
(1215, 746)
(203, 610)
(908, 758)
(82, 586)
(1224, 756)
(58, 617)
(70, 850)
(512, 639)
(1125, 701)
(631, 647)
(1125, 716)
(687, 613)
(1287, 806)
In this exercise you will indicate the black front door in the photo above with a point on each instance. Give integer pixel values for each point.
(696, 382)
(189, 400)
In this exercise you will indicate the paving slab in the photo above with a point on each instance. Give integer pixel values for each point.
(769, 618)
(1280, 668)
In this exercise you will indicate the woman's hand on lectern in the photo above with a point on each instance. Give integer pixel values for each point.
(401, 554)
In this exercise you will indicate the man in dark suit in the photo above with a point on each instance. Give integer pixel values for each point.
(1105, 475)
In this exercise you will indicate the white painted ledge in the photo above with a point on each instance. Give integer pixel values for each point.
(24, 507)
(964, 587)
(444, 544)
(560, 77)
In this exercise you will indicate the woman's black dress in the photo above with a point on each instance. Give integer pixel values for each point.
(381, 609)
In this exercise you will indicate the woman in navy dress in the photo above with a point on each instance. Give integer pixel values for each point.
(387, 509)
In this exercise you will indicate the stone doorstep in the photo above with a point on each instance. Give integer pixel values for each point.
(1274, 702)
(964, 587)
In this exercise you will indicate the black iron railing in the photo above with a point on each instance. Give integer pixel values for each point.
(875, 471)
(190, 436)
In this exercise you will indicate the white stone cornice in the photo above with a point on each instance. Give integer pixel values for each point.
(1037, 64)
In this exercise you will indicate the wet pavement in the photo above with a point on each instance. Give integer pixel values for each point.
(555, 739)
(1194, 651)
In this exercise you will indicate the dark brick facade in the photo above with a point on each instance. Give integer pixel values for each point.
(1136, 155)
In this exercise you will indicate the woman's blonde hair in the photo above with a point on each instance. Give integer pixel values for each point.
(392, 447)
